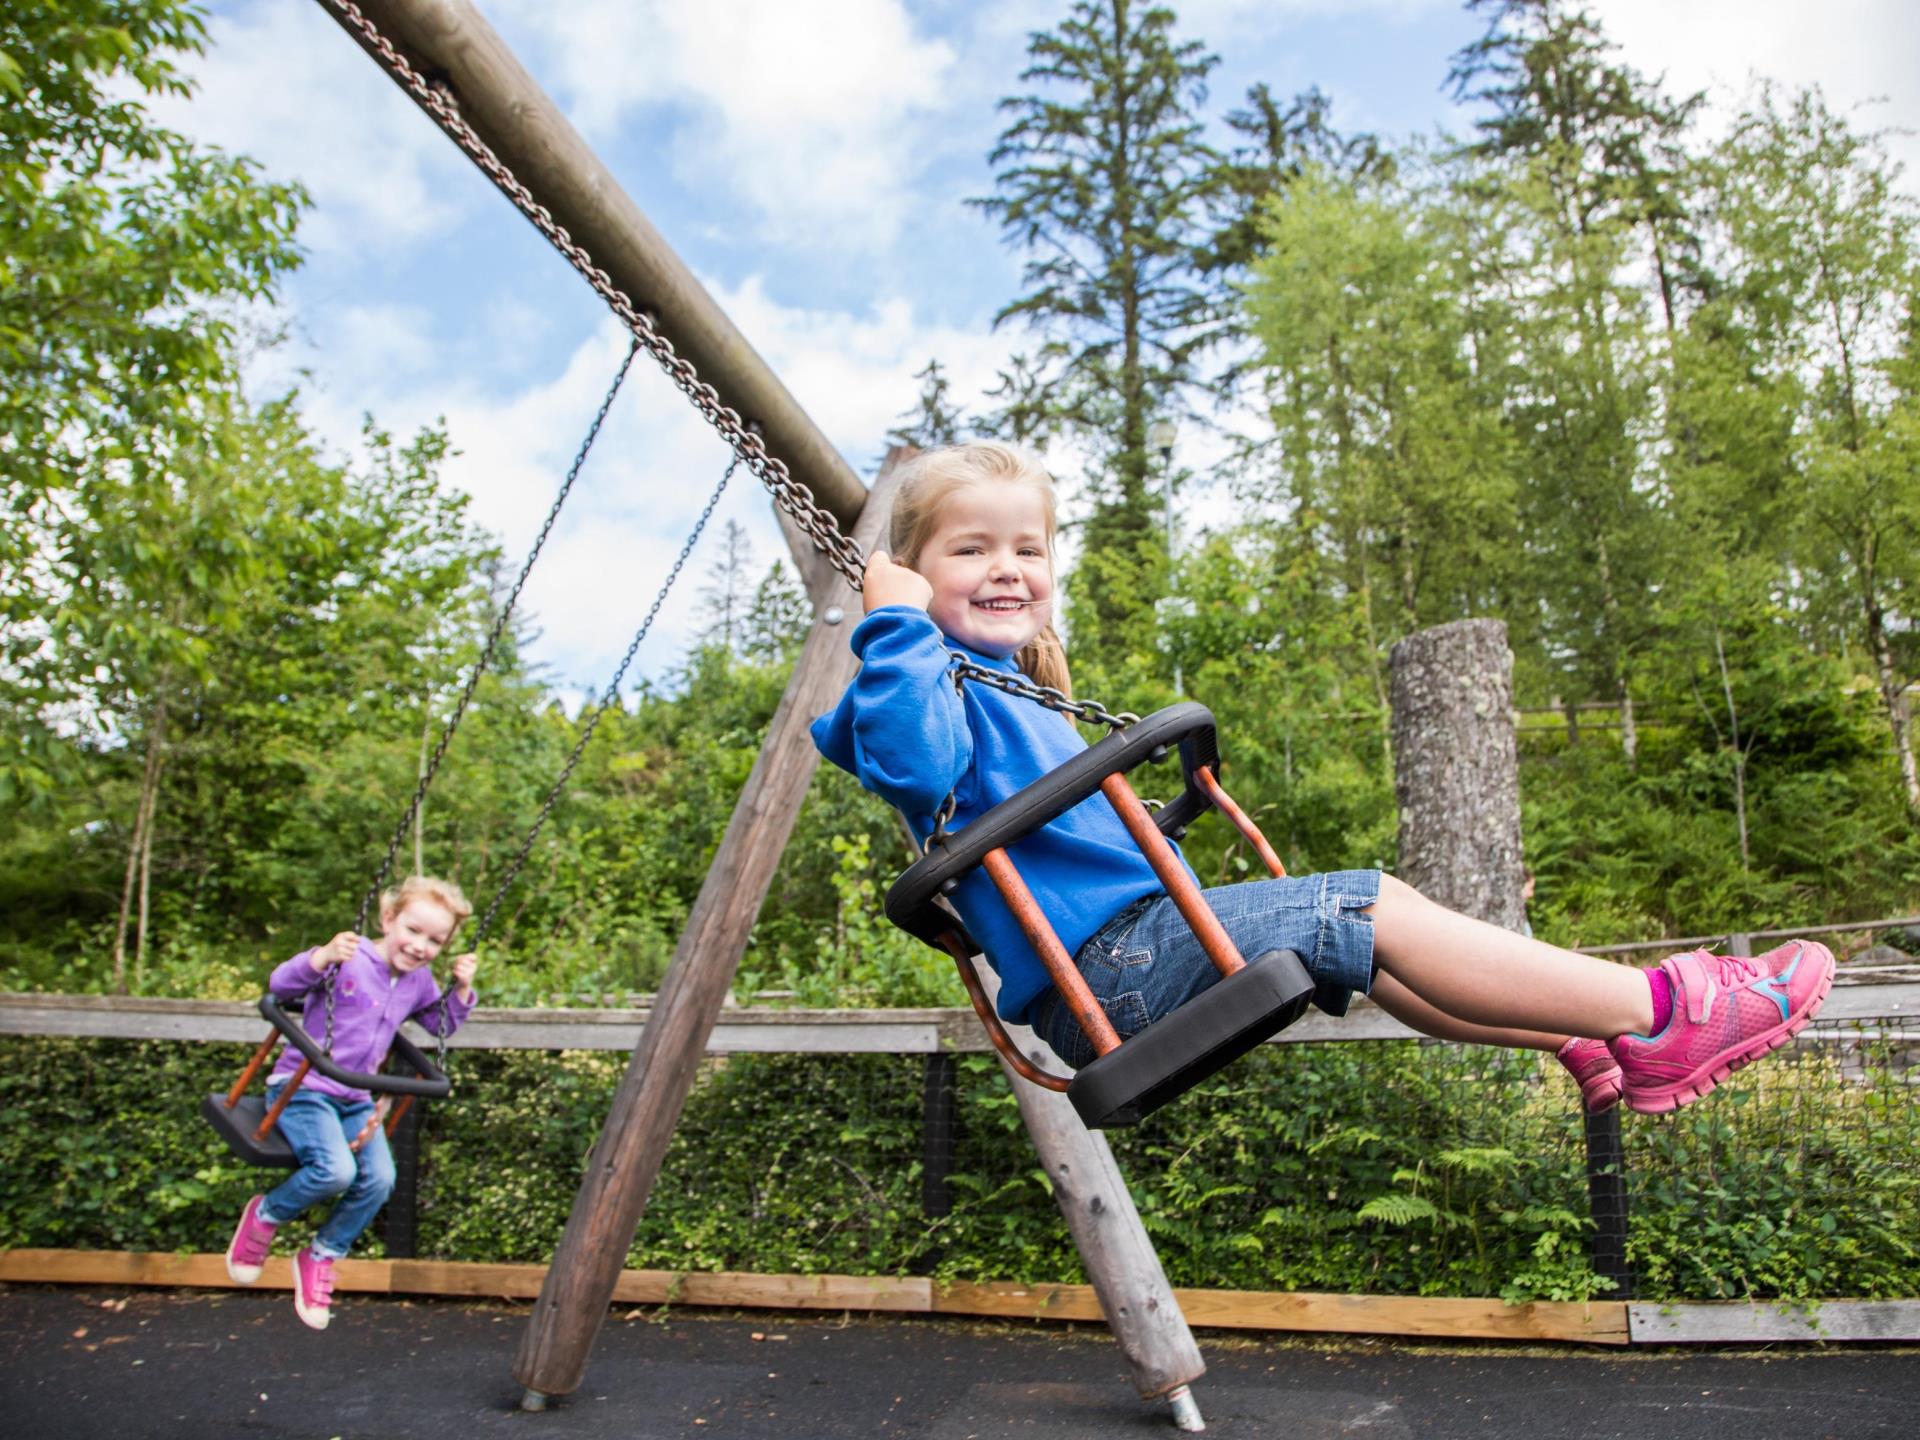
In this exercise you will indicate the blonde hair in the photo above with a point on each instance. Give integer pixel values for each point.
(929, 480)
(444, 893)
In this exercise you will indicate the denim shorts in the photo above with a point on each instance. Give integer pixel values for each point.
(1145, 961)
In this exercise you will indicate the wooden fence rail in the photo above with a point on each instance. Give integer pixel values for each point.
(739, 1031)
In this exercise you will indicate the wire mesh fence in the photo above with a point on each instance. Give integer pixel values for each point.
(1393, 1167)
(1375, 1166)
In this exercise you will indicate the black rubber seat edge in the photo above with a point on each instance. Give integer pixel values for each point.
(1210, 1031)
(1188, 726)
(236, 1127)
(428, 1081)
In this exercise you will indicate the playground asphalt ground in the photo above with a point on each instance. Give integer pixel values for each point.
(129, 1364)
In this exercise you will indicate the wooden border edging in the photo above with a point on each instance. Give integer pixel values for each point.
(1600, 1323)
(1603, 1322)
(1768, 1322)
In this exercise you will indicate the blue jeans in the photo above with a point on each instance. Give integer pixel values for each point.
(1145, 961)
(320, 1129)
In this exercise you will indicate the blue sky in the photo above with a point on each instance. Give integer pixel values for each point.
(810, 162)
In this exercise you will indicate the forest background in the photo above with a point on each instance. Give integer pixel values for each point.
(1645, 394)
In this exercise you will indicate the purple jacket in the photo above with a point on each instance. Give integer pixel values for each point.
(370, 1002)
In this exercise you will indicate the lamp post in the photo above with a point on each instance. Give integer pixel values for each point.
(1160, 437)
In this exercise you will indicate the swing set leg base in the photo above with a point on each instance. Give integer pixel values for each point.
(1186, 1410)
(533, 1401)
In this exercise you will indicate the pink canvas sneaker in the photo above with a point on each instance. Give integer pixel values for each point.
(313, 1288)
(252, 1239)
(1593, 1067)
(1727, 1012)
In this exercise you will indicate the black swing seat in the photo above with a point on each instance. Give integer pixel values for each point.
(1206, 1034)
(1210, 1031)
(237, 1125)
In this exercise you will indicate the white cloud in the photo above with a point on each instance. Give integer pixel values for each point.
(817, 117)
(654, 464)
(1856, 50)
(284, 84)
(854, 372)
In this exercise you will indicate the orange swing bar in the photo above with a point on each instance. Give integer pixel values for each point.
(1252, 1001)
(247, 1123)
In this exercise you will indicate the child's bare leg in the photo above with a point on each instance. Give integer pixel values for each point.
(1409, 1009)
(1490, 977)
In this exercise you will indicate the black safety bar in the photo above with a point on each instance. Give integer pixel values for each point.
(1189, 726)
(428, 1081)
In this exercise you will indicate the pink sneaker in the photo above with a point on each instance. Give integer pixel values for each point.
(252, 1239)
(1593, 1067)
(313, 1288)
(1727, 1012)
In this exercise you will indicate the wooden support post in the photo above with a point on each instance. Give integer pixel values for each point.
(625, 1160)
(1114, 1246)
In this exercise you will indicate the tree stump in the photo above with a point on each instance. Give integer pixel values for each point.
(1456, 771)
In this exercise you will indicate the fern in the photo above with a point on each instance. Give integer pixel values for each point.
(1399, 1209)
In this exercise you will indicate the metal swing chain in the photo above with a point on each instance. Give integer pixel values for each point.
(608, 699)
(1089, 712)
(473, 681)
(493, 640)
(792, 496)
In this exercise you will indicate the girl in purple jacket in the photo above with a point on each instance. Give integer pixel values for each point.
(378, 985)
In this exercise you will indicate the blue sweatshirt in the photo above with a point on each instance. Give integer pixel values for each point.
(910, 737)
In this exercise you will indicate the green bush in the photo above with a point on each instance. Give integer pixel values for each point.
(1397, 1168)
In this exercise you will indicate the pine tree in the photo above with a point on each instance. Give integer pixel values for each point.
(1101, 179)
(724, 599)
(1584, 154)
(935, 420)
(777, 617)
(1019, 409)
(1607, 141)
(1278, 147)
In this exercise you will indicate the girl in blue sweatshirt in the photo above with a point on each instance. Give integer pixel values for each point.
(971, 573)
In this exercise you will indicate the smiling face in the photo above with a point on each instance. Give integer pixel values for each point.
(413, 934)
(991, 566)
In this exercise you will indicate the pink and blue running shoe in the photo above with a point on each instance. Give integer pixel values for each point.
(1594, 1070)
(1728, 1011)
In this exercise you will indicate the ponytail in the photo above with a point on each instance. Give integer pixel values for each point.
(1043, 659)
